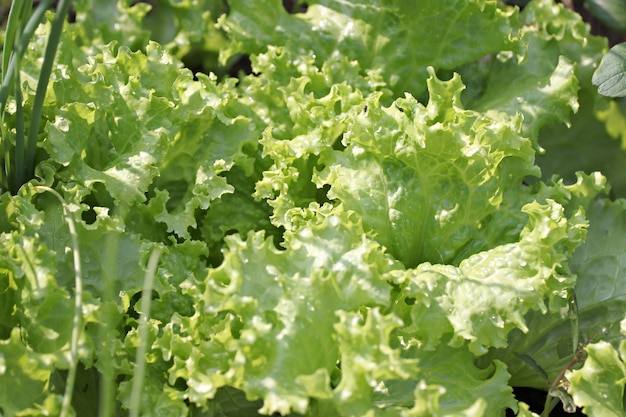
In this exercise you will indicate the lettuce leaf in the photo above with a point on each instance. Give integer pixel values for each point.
(364, 225)
(600, 299)
(598, 387)
(288, 310)
(24, 377)
(383, 37)
(426, 180)
(489, 293)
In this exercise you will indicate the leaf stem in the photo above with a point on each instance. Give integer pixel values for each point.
(555, 386)
(18, 177)
(78, 306)
(140, 360)
(547, 406)
(107, 389)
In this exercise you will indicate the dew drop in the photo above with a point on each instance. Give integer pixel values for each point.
(63, 125)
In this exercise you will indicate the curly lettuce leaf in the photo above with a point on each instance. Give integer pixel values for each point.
(185, 29)
(560, 56)
(276, 322)
(287, 299)
(446, 386)
(148, 132)
(112, 131)
(360, 338)
(311, 122)
(487, 295)
(545, 88)
(600, 298)
(43, 308)
(112, 21)
(330, 187)
(383, 37)
(583, 142)
(560, 25)
(429, 180)
(24, 377)
(598, 387)
(35, 261)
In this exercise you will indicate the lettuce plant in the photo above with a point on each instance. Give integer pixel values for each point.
(402, 209)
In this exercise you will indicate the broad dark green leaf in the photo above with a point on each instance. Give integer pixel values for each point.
(610, 77)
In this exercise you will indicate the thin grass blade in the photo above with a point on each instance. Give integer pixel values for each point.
(20, 47)
(11, 61)
(140, 360)
(42, 85)
(12, 32)
(18, 177)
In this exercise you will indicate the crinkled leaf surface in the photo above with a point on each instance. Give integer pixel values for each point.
(23, 375)
(598, 387)
(331, 246)
(426, 179)
(383, 37)
(600, 295)
(286, 301)
(488, 294)
(113, 21)
(445, 385)
(554, 22)
(367, 338)
(560, 57)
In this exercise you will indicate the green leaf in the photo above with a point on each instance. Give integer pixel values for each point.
(426, 189)
(272, 311)
(560, 56)
(446, 386)
(113, 21)
(367, 359)
(610, 12)
(545, 88)
(123, 154)
(43, 307)
(598, 387)
(487, 295)
(383, 37)
(571, 34)
(23, 375)
(584, 146)
(598, 265)
(313, 126)
(610, 77)
(349, 230)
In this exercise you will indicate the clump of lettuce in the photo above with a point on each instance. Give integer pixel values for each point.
(385, 217)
